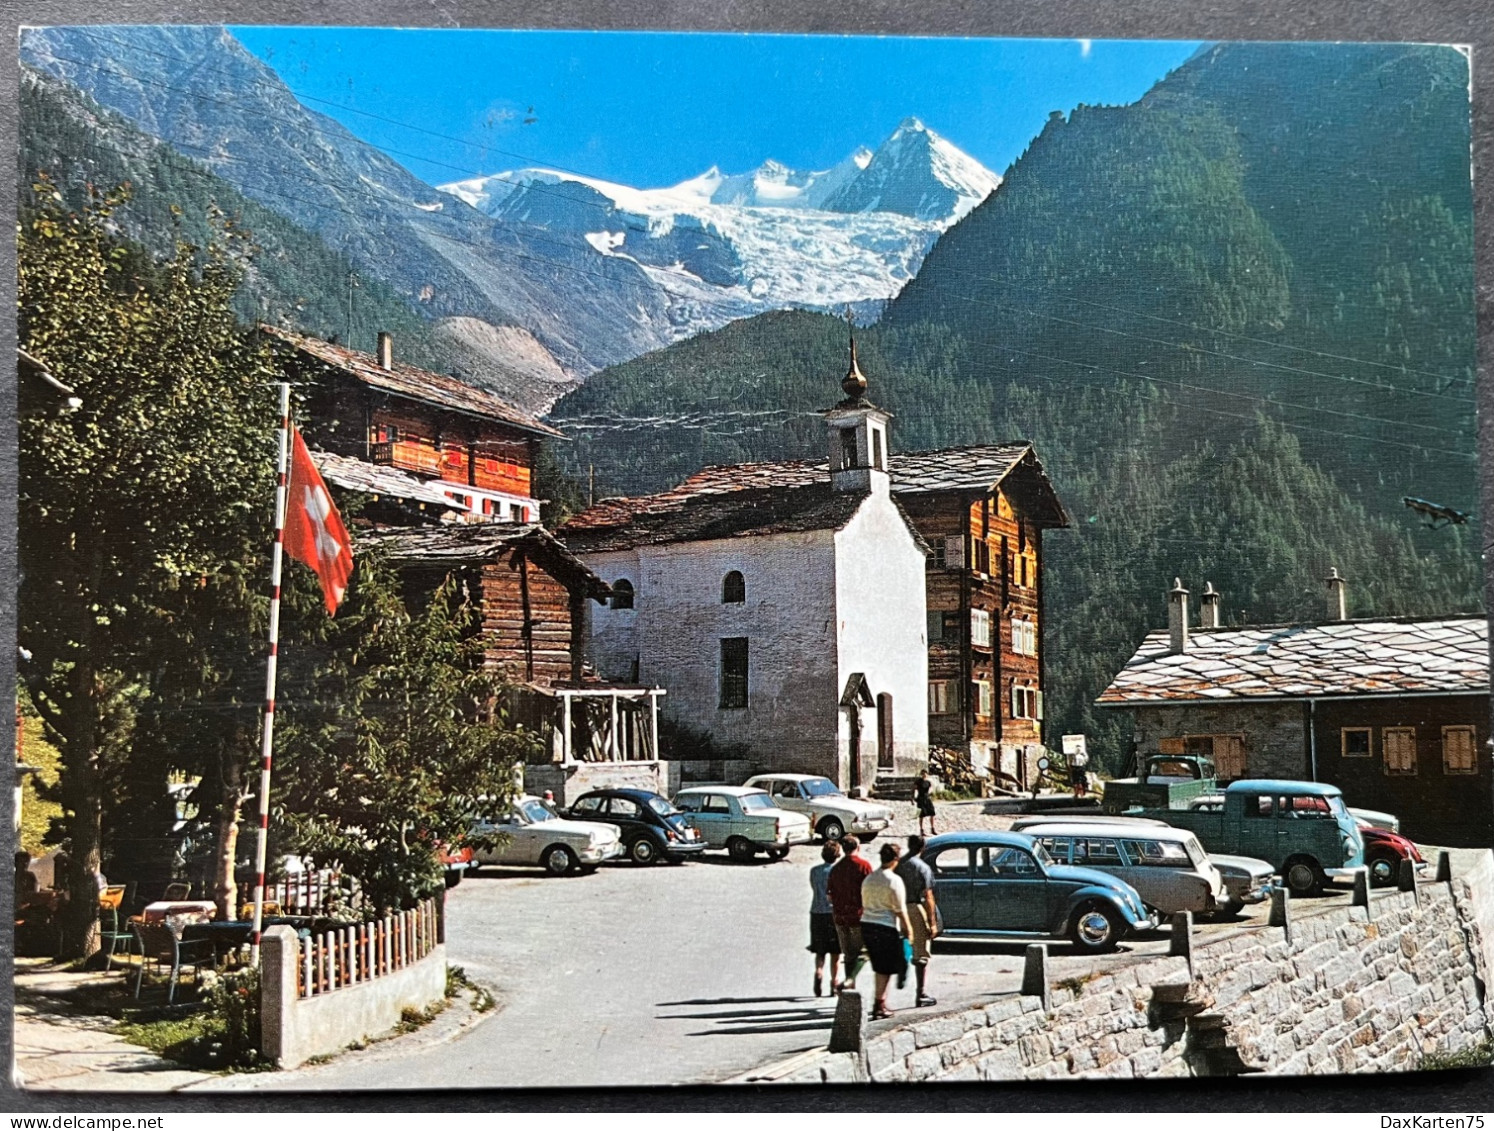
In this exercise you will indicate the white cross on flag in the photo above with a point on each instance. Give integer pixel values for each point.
(314, 532)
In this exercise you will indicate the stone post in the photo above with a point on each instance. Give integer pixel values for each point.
(1035, 975)
(1444, 867)
(277, 994)
(1281, 912)
(847, 1034)
(1182, 938)
(1362, 892)
(1407, 880)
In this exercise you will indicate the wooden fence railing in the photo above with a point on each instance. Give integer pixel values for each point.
(353, 955)
(314, 893)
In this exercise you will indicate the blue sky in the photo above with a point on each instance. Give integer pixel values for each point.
(651, 109)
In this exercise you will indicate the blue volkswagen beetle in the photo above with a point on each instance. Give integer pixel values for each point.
(991, 884)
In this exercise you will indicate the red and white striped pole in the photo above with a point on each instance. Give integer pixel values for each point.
(268, 735)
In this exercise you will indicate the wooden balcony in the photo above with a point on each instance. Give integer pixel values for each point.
(407, 455)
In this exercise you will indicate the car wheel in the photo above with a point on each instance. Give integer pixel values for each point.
(1229, 909)
(644, 851)
(1384, 869)
(1096, 928)
(778, 853)
(740, 849)
(473, 867)
(558, 860)
(1303, 876)
(831, 829)
(453, 877)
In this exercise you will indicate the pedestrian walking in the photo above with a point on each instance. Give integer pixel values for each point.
(923, 913)
(923, 798)
(884, 923)
(823, 940)
(1079, 772)
(844, 890)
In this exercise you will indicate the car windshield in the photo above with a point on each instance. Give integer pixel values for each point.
(662, 807)
(1195, 852)
(1042, 854)
(752, 801)
(534, 811)
(819, 787)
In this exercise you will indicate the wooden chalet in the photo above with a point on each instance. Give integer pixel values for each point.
(427, 442)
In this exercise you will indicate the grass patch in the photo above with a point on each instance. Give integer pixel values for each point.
(1076, 984)
(198, 1040)
(1480, 1055)
(412, 1019)
(457, 982)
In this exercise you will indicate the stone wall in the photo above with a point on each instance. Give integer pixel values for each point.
(568, 781)
(1275, 733)
(1351, 990)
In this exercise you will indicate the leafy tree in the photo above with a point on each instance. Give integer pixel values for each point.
(146, 490)
(390, 737)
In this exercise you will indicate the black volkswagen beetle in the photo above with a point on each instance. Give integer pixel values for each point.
(651, 827)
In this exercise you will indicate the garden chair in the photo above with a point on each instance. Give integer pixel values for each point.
(175, 893)
(161, 943)
(113, 930)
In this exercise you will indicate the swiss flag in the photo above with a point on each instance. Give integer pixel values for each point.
(314, 532)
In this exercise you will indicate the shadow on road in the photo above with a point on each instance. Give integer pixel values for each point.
(787, 1018)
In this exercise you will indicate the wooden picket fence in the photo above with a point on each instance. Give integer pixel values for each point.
(311, 893)
(350, 956)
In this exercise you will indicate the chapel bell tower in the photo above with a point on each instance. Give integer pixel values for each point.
(858, 437)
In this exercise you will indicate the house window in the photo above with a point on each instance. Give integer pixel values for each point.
(622, 593)
(936, 626)
(734, 589)
(847, 448)
(954, 552)
(982, 550)
(1024, 637)
(1227, 751)
(1399, 745)
(980, 628)
(1027, 702)
(734, 672)
(982, 698)
(1459, 751)
(885, 733)
(942, 697)
(1354, 742)
(877, 449)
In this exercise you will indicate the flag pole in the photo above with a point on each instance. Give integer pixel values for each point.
(268, 730)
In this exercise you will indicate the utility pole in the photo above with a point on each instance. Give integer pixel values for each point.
(352, 282)
(591, 485)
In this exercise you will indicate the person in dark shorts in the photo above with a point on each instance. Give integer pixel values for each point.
(845, 897)
(923, 916)
(823, 940)
(1079, 772)
(923, 799)
(884, 922)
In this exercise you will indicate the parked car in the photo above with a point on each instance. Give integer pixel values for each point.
(831, 813)
(742, 820)
(533, 834)
(1166, 781)
(1167, 866)
(652, 829)
(1303, 828)
(1000, 885)
(456, 860)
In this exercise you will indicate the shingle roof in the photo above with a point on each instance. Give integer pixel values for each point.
(969, 469)
(1386, 656)
(700, 517)
(475, 543)
(374, 479)
(416, 384)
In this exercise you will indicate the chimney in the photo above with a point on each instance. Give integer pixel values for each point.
(1208, 607)
(386, 350)
(1177, 616)
(1337, 601)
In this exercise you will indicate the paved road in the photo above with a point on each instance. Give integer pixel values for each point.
(663, 975)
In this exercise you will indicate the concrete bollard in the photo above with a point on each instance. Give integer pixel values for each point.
(1181, 943)
(278, 952)
(1035, 975)
(1361, 896)
(1444, 867)
(847, 1034)
(1407, 881)
(1281, 912)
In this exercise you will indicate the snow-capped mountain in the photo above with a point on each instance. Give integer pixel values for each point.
(770, 238)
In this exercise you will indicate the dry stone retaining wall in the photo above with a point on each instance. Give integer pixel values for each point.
(1350, 992)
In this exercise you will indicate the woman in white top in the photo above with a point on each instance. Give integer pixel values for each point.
(884, 922)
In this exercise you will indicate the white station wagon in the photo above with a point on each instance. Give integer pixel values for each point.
(742, 820)
(533, 834)
(831, 813)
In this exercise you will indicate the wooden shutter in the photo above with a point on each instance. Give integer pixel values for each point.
(1399, 744)
(1169, 746)
(1459, 752)
(1229, 756)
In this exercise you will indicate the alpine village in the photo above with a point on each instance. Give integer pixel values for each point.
(436, 610)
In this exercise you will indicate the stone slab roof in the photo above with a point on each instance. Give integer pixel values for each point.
(452, 545)
(682, 516)
(1384, 656)
(373, 479)
(408, 381)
